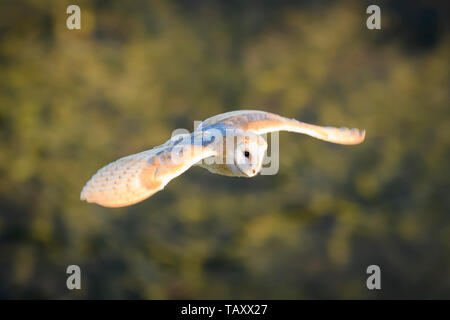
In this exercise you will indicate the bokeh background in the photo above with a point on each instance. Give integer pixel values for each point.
(72, 101)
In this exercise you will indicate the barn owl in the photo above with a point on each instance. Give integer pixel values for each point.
(227, 144)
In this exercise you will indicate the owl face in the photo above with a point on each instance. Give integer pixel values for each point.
(249, 154)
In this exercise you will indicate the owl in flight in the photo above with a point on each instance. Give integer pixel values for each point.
(228, 144)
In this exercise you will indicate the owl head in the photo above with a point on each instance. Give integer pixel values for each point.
(249, 154)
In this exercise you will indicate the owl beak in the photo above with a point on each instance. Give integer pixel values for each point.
(253, 172)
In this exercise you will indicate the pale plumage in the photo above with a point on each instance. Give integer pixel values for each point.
(229, 144)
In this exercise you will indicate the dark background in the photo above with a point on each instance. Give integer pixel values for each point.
(73, 101)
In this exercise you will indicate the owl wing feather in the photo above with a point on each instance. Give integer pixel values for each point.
(260, 122)
(136, 177)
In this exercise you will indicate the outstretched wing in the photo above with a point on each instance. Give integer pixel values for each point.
(261, 122)
(136, 177)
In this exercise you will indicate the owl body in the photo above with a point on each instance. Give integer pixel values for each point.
(239, 154)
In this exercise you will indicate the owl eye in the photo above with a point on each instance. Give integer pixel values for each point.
(247, 154)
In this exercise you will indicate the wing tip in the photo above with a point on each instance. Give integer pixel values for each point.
(352, 136)
(363, 135)
(91, 196)
(83, 195)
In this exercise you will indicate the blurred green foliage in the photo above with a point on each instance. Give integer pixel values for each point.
(73, 101)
